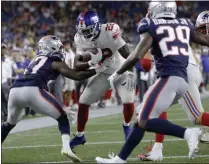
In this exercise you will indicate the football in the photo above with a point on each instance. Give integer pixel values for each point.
(87, 56)
(106, 53)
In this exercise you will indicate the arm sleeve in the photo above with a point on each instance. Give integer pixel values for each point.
(144, 26)
(115, 40)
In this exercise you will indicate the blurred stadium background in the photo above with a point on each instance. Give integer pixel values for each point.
(24, 23)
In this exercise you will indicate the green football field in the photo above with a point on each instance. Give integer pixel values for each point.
(104, 135)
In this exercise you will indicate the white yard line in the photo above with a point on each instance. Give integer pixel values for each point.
(130, 159)
(174, 157)
(88, 143)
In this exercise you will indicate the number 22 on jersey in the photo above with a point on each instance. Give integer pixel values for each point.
(179, 35)
(109, 26)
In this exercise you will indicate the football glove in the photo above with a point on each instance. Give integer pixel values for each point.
(113, 78)
(129, 81)
(95, 58)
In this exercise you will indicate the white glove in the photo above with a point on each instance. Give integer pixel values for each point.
(95, 58)
(109, 61)
(129, 82)
(113, 78)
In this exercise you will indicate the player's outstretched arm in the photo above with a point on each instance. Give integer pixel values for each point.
(124, 51)
(79, 64)
(63, 69)
(200, 38)
(138, 53)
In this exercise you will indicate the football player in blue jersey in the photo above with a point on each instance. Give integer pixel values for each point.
(31, 90)
(168, 38)
(190, 102)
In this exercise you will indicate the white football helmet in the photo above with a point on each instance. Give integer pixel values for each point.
(202, 22)
(50, 43)
(162, 9)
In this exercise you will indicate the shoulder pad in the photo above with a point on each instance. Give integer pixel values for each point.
(144, 26)
(56, 56)
(113, 30)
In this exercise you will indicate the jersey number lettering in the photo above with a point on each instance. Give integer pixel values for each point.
(180, 33)
(109, 27)
(36, 64)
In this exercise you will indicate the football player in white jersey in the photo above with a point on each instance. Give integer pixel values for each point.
(107, 38)
(191, 101)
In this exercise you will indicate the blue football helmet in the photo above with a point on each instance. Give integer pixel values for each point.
(202, 22)
(88, 24)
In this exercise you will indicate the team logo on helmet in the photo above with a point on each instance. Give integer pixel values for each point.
(206, 17)
(82, 24)
(88, 24)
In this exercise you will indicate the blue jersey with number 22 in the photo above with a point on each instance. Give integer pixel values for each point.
(170, 47)
(40, 71)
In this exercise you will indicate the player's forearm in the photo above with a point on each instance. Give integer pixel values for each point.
(128, 64)
(138, 53)
(82, 75)
(81, 66)
(125, 52)
(77, 75)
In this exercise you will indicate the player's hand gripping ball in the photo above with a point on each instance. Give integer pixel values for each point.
(87, 54)
(106, 53)
(95, 56)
